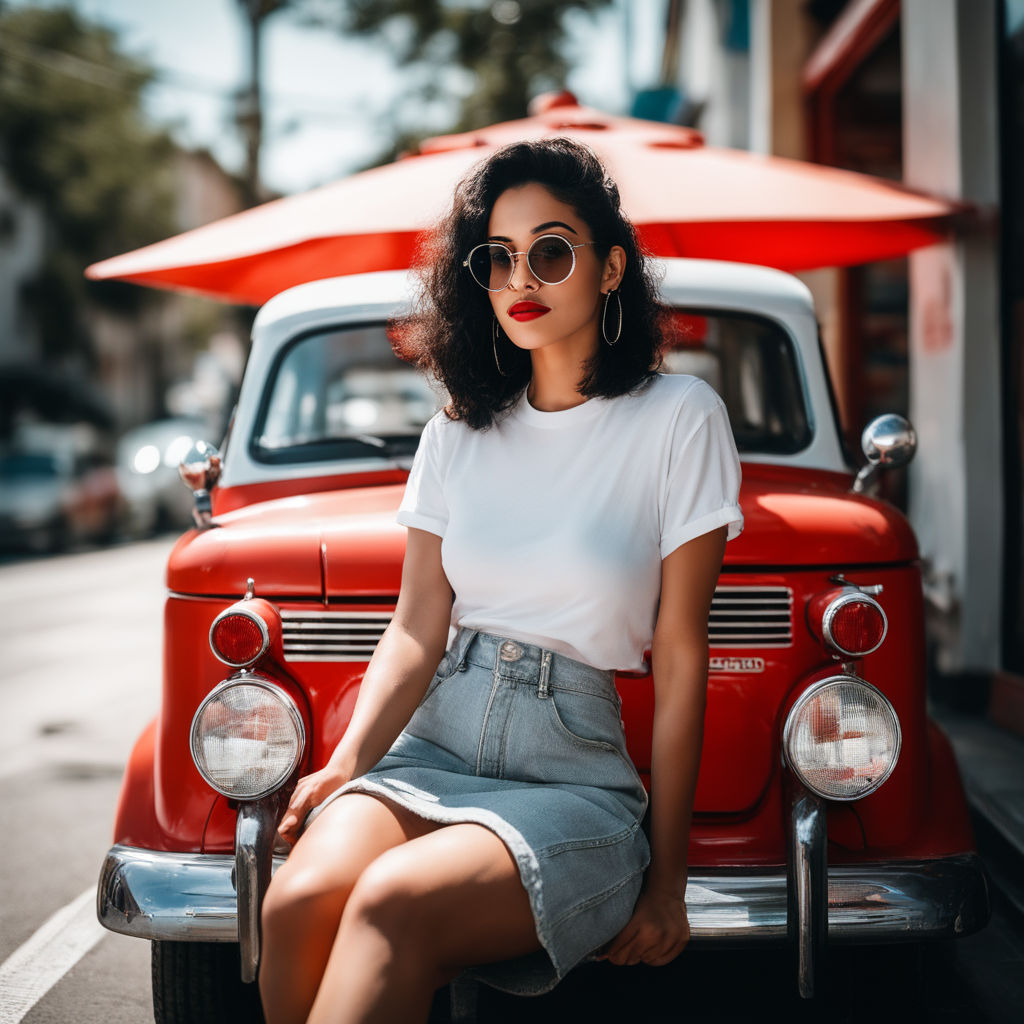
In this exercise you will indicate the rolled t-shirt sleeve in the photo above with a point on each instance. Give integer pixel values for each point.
(423, 504)
(701, 492)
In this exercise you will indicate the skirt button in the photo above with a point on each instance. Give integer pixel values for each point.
(510, 651)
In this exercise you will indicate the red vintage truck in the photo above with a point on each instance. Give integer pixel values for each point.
(829, 807)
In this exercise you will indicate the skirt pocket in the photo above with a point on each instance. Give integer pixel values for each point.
(586, 718)
(593, 723)
(445, 670)
(452, 709)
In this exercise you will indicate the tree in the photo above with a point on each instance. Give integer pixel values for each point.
(509, 50)
(73, 137)
(250, 109)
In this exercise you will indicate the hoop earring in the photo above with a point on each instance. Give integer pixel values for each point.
(604, 318)
(494, 344)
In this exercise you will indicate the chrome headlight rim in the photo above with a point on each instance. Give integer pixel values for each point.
(252, 617)
(794, 713)
(834, 606)
(250, 679)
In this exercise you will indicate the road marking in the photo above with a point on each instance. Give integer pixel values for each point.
(40, 962)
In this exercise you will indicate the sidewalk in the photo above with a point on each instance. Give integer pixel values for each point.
(991, 763)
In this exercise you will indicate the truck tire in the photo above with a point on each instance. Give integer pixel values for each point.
(200, 983)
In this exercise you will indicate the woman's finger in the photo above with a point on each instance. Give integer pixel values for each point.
(298, 801)
(289, 823)
(632, 950)
(644, 943)
(626, 934)
(661, 961)
(667, 950)
(653, 948)
(616, 951)
(295, 814)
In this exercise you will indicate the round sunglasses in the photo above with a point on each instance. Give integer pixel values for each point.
(551, 259)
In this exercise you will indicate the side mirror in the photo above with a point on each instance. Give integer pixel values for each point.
(887, 442)
(200, 470)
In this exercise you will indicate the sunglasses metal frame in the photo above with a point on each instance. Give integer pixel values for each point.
(514, 256)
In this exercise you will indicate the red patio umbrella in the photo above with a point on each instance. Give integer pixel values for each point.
(687, 199)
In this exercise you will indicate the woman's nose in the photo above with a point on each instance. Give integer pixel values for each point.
(522, 276)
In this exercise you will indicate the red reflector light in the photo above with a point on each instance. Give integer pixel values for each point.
(856, 625)
(238, 639)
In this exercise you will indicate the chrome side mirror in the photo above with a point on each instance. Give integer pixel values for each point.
(200, 470)
(887, 442)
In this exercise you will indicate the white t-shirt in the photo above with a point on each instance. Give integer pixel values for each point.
(554, 524)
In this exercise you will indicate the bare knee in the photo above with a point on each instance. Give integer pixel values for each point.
(388, 897)
(302, 896)
(390, 907)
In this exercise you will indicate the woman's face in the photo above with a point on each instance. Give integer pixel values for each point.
(533, 314)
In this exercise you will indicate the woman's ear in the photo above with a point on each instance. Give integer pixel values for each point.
(614, 268)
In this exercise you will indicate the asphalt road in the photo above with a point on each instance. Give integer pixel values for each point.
(79, 678)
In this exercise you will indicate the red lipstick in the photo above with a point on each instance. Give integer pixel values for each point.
(523, 311)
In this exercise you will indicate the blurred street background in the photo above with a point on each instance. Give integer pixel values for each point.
(123, 123)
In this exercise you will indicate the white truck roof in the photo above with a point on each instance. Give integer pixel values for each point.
(686, 283)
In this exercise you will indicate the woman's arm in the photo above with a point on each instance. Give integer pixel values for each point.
(404, 660)
(658, 929)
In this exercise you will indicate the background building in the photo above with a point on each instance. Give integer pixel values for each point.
(929, 92)
(120, 371)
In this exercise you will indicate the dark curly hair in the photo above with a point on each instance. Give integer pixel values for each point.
(449, 333)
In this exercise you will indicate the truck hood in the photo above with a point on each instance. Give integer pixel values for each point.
(800, 518)
(307, 546)
(347, 542)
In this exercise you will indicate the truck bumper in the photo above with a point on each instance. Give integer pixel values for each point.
(193, 897)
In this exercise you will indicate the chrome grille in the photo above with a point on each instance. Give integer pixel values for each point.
(331, 636)
(740, 617)
(751, 617)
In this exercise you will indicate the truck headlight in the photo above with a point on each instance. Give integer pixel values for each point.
(842, 738)
(247, 737)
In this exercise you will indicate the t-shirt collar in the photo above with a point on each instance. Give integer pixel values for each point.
(582, 413)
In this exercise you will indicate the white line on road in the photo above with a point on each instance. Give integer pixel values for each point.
(38, 964)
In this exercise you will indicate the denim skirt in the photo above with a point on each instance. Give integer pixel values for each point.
(530, 744)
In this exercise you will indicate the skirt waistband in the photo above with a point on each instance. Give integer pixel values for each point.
(529, 662)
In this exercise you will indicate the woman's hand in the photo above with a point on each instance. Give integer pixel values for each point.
(656, 934)
(310, 790)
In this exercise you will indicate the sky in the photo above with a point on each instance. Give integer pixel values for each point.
(327, 98)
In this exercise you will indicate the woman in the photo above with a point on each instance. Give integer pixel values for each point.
(567, 510)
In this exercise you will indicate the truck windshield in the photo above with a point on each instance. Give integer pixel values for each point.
(344, 394)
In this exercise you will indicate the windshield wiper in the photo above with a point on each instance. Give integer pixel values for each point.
(398, 444)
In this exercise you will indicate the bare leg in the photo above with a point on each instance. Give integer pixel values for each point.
(417, 914)
(307, 895)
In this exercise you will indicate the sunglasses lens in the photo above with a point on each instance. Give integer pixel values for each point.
(550, 259)
(491, 266)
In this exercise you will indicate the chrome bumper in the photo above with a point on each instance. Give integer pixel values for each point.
(182, 897)
(195, 897)
(903, 901)
(192, 897)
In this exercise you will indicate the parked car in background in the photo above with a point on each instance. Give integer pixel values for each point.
(829, 809)
(58, 488)
(147, 469)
